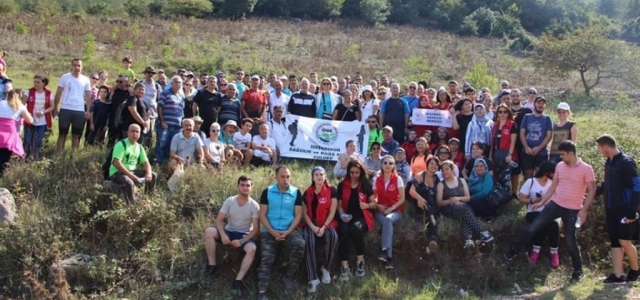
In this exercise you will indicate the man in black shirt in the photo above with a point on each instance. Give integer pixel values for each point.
(206, 104)
(135, 112)
(302, 103)
(519, 112)
(119, 94)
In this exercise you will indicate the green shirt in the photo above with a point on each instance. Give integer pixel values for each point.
(132, 75)
(375, 135)
(131, 156)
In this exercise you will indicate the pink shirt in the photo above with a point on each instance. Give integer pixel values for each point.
(572, 184)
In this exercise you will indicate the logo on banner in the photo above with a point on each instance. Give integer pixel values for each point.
(326, 133)
(417, 116)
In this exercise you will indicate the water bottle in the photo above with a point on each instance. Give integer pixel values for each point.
(578, 223)
(164, 136)
(513, 164)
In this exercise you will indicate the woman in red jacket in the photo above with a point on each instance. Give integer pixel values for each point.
(503, 141)
(389, 189)
(319, 206)
(40, 105)
(355, 202)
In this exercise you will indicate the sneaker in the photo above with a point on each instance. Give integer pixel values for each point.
(615, 280)
(577, 276)
(345, 274)
(469, 244)
(389, 264)
(486, 237)
(212, 270)
(533, 257)
(382, 256)
(262, 296)
(313, 286)
(236, 287)
(554, 260)
(326, 276)
(360, 271)
(510, 255)
(289, 285)
(433, 247)
(633, 275)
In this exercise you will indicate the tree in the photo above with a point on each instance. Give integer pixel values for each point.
(403, 11)
(375, 12)
(590, 52)
(237, 9)
(195, 8)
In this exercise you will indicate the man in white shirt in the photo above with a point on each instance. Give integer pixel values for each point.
(242, 140)
(278, 129)
(277, 98)
(264, 148)
(242, 214)
(74, 90)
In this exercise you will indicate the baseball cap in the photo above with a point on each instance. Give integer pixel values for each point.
(564, 106)
(540, 98)
(149, 70)
(197, 119)
(283, 77)
(387, 128)
(454, 140)
(127, 59)
(255, 77)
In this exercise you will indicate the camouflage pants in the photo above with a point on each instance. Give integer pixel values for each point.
(294, 244)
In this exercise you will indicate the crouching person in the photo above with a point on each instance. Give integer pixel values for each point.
(280, 215)
(127, 156)
(241, 212)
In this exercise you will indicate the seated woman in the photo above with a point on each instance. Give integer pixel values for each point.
(340, 169)
(452, 196)
(319, 209)
(477, 150)
(373, 162)
(480, 185)
(531, 193)
(215, 150)
(423, 197)
(389, 189)
(355, 204)
(444, 153)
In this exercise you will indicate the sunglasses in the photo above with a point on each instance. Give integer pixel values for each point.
(375, 148)
(94, 78)
(502, 112)
(388, 163)
(223, 84)
(382, 93)
(215, 130)
(371, 122)
(412, 87)
(240, 73)
(326, 83)
(532, 93)
(120, 81)
(188, 84)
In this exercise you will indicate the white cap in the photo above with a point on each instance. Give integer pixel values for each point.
(564, 106)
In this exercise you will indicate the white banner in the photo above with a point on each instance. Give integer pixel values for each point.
(431, 117)
(321, 139)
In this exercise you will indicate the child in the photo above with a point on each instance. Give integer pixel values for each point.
(99, 116)
(126, 69)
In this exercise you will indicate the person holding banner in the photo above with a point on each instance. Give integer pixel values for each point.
(424, 103)
(326, 101)
(389, 189)
(355, 203)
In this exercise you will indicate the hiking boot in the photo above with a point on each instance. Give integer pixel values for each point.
(632, 275)
(554, 260)
(344, 274)
(511, 254)
(326, 276)
(389, 264)
(360, 271)
(289, 285)
(212, 270)
(313, 286)
(533, 257)
(382, 256)
(577, 276)
(432, 248)
(236, 287)
(486, 237)
(469, 245)
(615, 280)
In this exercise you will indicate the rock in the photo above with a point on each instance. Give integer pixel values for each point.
(7, 206)
(74, 264)
(517, 287)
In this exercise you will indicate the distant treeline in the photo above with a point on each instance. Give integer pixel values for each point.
(516, 20)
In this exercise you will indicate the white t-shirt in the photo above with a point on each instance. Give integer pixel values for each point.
(39, 106)
(240, 140)
(531, 189)
(367, 108)
(6, 112)
(279, 133)
(215, 149)
(283, 100)
(386, 182)
(271, 143)
(240, 218)
(73, 93)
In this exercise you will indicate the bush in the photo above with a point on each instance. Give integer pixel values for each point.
(137, 8)
(480, 77)
(101, 8)
(237, 9)
(8, 6)
(189, 8)
(403, 11)
(374, 12)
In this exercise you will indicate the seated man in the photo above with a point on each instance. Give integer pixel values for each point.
(226, 137)
(186, 146)
(242, 140)
(264, 148)
(127, 156)
(241, 212)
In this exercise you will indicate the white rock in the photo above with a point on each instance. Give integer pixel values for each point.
(7, 206)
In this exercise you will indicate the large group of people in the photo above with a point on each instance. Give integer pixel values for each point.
(441, 172)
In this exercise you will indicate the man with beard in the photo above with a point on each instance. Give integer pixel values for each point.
(519, 112)
(119, 94)
(254, 103)
(536, 131)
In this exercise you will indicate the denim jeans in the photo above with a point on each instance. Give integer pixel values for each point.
(386, 222)
(550, 212)
(33, 136)
(163, 141)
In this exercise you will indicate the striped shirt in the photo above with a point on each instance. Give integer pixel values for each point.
(572, 184)
(229, 110)
(172, 107)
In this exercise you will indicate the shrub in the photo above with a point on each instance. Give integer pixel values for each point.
(480, 77)
(237, 9)
(22, 28)
(403, 11)
(8, 6)
(101, 8)
(189, 8)
(374, 12)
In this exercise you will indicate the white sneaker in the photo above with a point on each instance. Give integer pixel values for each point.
(326, 276)
(469, 244)
(313, 286)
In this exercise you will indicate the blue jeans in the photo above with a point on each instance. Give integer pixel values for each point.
(551, 212)
(33, 137)
(386, 222)
(163, 141)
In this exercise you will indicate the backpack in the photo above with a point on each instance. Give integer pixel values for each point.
(107, 163)
(118, 118)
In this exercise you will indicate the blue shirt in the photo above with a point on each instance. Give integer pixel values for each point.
(172, 107)
(281, 206)
(411, 101)
(536, 130)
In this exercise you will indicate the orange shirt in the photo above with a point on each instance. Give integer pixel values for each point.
(572, 184)
(419, 164)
